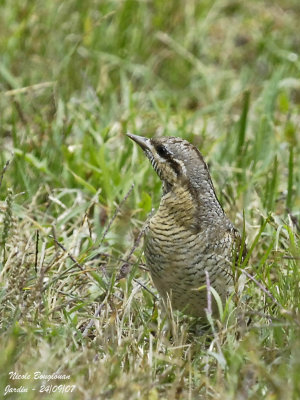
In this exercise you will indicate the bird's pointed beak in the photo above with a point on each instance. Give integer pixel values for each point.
(143, 142)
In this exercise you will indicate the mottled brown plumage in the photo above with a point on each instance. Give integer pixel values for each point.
(190, 233)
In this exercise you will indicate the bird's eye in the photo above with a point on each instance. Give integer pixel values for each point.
(161, 150)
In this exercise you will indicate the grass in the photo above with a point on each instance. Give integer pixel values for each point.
(75, 76)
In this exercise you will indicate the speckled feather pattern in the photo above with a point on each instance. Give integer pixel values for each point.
(190, 233)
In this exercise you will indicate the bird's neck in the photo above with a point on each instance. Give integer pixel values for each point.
(193, 207)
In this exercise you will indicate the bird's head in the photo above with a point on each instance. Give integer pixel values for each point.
(175, 160)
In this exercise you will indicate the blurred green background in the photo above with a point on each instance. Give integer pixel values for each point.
(97, 68)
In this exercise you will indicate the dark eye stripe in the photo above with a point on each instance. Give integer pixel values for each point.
(176, 167)
(164, 153)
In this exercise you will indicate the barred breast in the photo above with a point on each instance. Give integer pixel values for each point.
(178, 254)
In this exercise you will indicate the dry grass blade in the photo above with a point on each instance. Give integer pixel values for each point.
(92, 321)
(126, 267)
(208, 289)
(28, 89)
(115, 214)
(68, 253)
(4, 169)
(262, 287)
